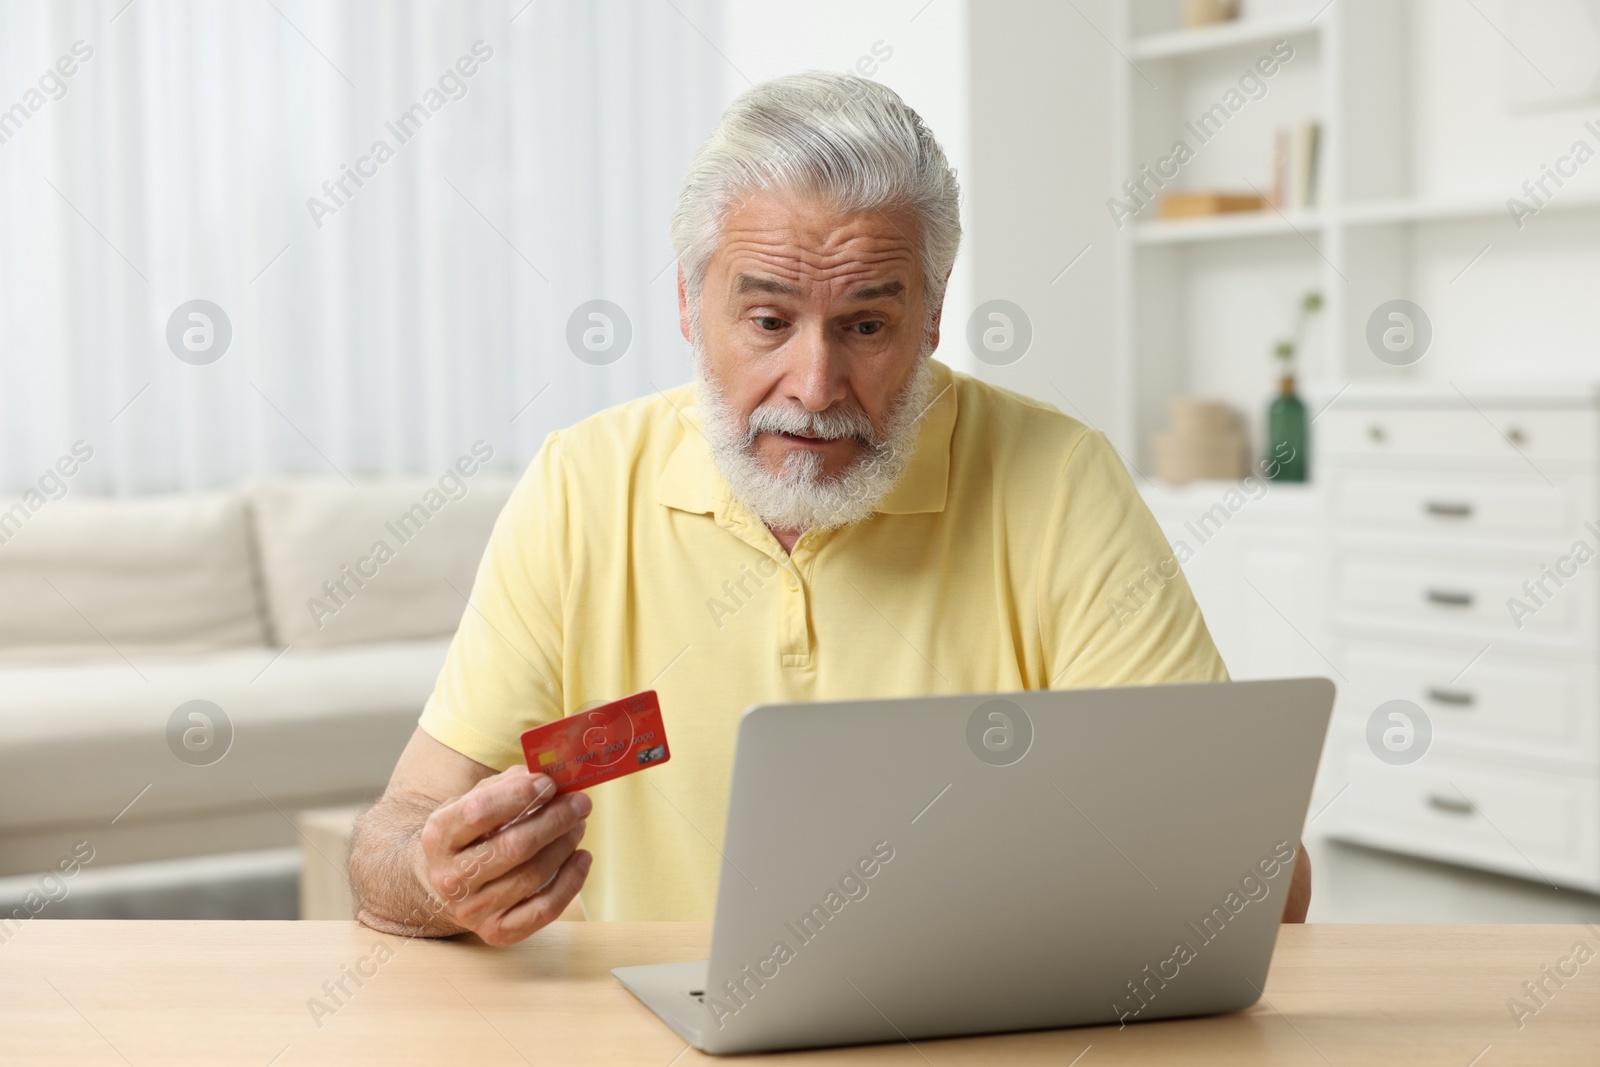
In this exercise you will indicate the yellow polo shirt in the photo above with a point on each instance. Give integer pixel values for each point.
(1014, 553)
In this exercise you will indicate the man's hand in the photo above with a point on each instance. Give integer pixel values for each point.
(453, 846)
(503, 858)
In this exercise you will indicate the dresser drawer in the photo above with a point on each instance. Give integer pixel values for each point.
(1448, 433)
(1463, 597)
(1453, 505)
(1495, 701)
(1528, 824)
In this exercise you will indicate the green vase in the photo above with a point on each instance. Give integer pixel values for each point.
(1287, 458)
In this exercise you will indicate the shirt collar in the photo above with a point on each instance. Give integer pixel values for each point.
(691, 482)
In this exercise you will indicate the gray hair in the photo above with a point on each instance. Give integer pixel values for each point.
(847, 138)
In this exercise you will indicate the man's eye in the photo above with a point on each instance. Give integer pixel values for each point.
(867, 329)
(769, 323)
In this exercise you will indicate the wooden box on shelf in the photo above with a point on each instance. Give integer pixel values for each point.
(1199, 205)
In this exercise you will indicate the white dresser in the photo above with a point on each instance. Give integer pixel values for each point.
(1445, 515)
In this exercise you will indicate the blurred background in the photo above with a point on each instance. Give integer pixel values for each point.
(290, 292)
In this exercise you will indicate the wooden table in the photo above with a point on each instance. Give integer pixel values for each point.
(146, 993)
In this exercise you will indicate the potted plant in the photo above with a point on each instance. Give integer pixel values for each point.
(1288, 451)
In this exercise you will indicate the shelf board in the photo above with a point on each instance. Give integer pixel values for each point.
(1380, 212)
(1491, 393)
(1221, 36)
(1293, 498)
(1362, 213)
(1227, 227)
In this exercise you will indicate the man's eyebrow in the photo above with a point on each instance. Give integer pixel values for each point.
(754, 283)
(877, 292)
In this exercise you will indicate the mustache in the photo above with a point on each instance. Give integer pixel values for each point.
(832, 424)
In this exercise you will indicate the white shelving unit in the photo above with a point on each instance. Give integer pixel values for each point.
(1442, 507)
(1378, 212)
(1200, 302)
(1171, 274)
(1446, 444)
(1184, 42)
(1226, 227)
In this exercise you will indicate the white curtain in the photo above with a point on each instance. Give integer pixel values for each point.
(428, 308)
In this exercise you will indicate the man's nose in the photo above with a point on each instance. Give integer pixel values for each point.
(818, 371)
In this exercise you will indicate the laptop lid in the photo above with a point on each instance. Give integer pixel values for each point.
(936, 866)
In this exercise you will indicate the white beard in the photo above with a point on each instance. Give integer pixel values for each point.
(801, 498)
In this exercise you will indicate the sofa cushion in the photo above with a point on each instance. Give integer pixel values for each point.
(129, 575)
(79, 742)
(377, 562)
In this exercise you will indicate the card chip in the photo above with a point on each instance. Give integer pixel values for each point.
(546, 758)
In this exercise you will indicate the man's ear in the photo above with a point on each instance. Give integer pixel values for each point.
(683, 307)
(938, 312)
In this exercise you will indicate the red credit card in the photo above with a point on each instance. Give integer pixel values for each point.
(590, 747)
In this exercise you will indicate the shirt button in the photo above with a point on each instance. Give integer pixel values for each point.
(793, 585)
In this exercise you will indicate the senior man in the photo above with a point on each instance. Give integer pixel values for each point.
(825, 512)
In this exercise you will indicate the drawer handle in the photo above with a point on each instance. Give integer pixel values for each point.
(1451, 805)
(1459, 697)
(1447, 510)
(1449, 598)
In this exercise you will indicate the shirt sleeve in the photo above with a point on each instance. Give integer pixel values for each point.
(1115, 607)
(502, 674)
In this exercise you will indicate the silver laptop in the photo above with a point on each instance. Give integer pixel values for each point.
(937, 866)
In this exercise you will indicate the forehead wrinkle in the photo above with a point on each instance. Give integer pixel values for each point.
(815, 247)
(801, 267)
(822, 232)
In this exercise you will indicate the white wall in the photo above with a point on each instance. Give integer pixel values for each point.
(1041, 78)
(1467, 138)
(1525, 310)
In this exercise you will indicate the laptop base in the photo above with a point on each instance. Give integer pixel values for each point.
(672, 991)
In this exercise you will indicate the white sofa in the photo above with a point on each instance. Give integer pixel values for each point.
(118, 611)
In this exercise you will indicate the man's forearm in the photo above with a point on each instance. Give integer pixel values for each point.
(386, 889)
